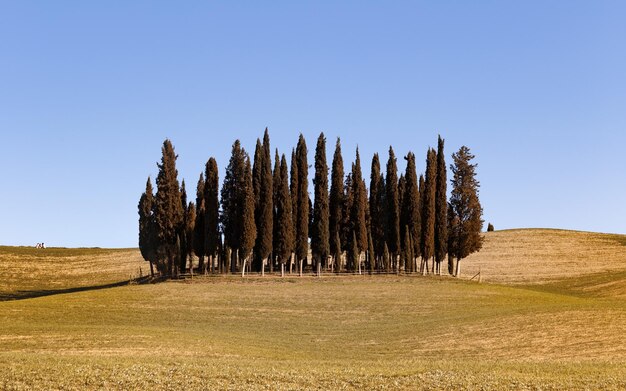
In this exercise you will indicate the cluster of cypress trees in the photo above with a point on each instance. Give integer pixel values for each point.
(265, 218)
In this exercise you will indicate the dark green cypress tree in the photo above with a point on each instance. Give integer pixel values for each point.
(190, 225)
(336, 202)
(284, 234)
(248, 232)
(256, 185)
(293, 188)
(428, 208)
(233, 202)
(199, 241)
(347, 225)
(168, 210)
(403, 215)
(453, 237)
(212, 235)
(411, 207)
(263, 202)
(441, 207)
(360, 204)
(466, 206)
(376, 206)
(302, 203)
(147, 239)
(320, 235)
(392, 226)
(182, 232)
(275, 182)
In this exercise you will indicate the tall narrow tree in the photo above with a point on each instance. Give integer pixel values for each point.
(441, 208)
(392, 226)
(320, 238)
(211, 212)
(275, 189)
(428, 208)
(376, 207)
(336, 204)
(147, 239)
(411, 208)
(293, 188)
(302, 203)
(234, 203)
(182, 232)
(466, 206)
(248, 231)
(199, 226)
(263, 203)
(284, 234)
(168, 210)
(190, 225)
(359, 205)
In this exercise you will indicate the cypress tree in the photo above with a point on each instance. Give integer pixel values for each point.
(376, 206)
(168, 210)
(359, 205)
(336, 202)
(182, 232)
(428, 208)
(248, 232)
(347, 224)
(302, 203)
(263, 202)
(199, 241)
(294, 187)
(453, 234)
(403, 215)
(212, 235)
(147, 239)
(466, 206)
(190, 225)
(392, 230)
(284, 226)
(234, 199)
(411, 207)
(256, 185)
(320, 238)
(441, 207)
(275, 188)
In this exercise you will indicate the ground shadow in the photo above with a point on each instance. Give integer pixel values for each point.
(30, 294)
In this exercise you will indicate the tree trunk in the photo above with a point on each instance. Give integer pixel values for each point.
(291, 263)
(263, 267)
(151, 269)
(458, 268)
(282, 269)
(271, 258)
(301, 262)
(450, 264)
(319, 269)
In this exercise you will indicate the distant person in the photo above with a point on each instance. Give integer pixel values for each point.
(43, 245)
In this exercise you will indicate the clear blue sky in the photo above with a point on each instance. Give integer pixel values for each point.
(89, 91)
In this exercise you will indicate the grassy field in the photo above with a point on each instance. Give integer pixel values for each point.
(349, 332)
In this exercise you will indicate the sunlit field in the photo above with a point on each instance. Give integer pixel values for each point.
(545, 330)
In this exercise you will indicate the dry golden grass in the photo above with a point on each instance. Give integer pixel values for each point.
(26, 270)
(531, 256)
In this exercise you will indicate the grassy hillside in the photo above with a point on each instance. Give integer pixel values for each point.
(27, 271)
(361, 332)
(545, 255)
